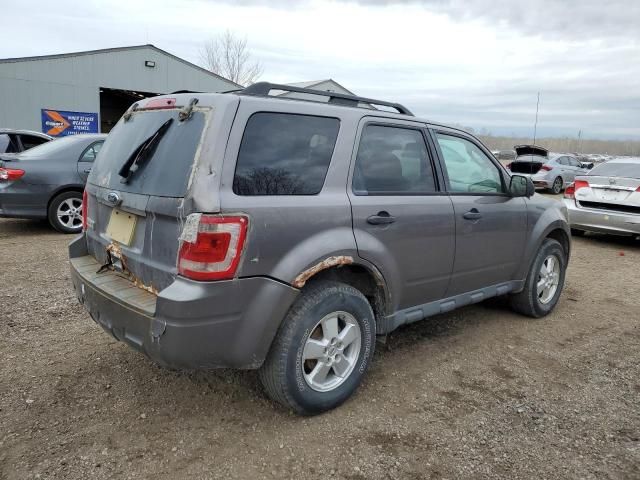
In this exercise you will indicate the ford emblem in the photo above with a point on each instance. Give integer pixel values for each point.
(113, 198)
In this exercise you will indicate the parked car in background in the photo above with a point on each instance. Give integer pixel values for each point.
(47, 181)
(607, 199)
(16, 141)
(245, 230)
(552, 172)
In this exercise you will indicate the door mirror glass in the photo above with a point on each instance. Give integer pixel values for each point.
(521, 186)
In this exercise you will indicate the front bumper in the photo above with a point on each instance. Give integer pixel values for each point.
(602, 221)
(189, 324)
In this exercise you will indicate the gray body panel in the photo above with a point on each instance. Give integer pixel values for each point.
(430, 259)
(45, 176)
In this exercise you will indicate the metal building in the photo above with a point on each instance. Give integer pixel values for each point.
(87, 92)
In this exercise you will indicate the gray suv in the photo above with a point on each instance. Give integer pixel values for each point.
(255, 231)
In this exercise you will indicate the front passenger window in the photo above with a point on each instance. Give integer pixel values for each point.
(90, 153)
(469, 169)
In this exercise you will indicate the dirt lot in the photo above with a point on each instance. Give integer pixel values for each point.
(478, 393)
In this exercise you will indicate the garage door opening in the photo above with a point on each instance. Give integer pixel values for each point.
(114, 102)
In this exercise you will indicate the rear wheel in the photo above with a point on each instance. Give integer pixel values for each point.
(65, 212)
(544, 282)
(556, 188)
(322, 350)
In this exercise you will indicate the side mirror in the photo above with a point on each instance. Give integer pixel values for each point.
(521, 186)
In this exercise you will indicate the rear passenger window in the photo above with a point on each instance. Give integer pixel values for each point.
(285, 154)
(392, 161)
(30, 141)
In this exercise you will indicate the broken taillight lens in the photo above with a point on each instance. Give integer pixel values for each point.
(10, 174)
(211, 246)
(85, 207)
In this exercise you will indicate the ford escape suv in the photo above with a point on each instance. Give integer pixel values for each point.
(255, 231)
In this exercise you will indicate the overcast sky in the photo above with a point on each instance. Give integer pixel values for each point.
(478, 63)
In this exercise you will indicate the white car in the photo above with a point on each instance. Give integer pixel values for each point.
(607, 200)
(550, 171)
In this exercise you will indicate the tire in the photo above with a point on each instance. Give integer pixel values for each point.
(529, 302)
(288, 377)
(67, 201)
(577, 233)
(556, 188)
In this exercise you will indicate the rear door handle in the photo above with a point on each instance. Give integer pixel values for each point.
(472, 214)
(382, 218)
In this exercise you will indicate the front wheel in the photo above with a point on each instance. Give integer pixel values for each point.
(65, 212)
(544, 282)
(322, 350)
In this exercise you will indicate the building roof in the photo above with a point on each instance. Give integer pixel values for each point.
(113, 50)
(314, 83)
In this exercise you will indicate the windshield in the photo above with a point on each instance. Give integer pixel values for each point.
(167, 170)
(617, 169)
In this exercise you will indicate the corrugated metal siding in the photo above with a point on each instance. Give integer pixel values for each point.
(72, 83)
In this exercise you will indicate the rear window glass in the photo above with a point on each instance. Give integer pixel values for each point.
(613, 169)
(285, 154)
(165, 173)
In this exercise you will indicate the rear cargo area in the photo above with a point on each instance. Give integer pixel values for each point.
(526, 166)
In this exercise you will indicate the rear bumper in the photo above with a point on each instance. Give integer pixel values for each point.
(539, 180)
(602, 221)
(188, 324)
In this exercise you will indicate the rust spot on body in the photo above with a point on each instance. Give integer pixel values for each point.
(115, 250)
(339, 260)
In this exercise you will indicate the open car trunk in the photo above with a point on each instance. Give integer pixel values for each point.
(529, 159)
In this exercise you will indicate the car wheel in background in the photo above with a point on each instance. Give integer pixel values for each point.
(556, 188)
(577, 233)
(322, 350)
(544, 282)
(65, 212)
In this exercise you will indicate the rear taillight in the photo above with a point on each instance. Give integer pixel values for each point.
(85, 208)
(10, 174)
(570, 192)
(508, 166)
(546, 168)
(578, 184)
(638, 189)
(211, 246)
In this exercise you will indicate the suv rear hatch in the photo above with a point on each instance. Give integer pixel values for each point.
(529, 159)
(141, 188)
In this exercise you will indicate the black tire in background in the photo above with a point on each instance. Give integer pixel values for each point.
(556, 188)
(73, 225)
(527, 302)
(577, 233)
(283, 374)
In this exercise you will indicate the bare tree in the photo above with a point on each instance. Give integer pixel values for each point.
(228, 56)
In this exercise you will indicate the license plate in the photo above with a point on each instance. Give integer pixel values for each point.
(612, 195)
(122, 226)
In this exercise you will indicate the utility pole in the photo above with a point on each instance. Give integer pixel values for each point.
(579, 140)
(535, 125)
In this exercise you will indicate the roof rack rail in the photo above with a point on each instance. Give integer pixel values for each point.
(264, 88)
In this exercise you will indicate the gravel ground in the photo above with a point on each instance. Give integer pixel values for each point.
(477, 393)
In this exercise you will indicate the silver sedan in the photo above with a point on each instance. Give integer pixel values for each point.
(607, 200)
(550, 171)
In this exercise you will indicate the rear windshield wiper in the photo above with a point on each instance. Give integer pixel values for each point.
(143, 152)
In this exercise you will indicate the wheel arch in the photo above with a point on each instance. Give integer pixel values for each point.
(365, 278)
(64, 189)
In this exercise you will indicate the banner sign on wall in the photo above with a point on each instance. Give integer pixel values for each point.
(59, 123)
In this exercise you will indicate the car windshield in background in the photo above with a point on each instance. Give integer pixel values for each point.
(617, 169)
(169, 169)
